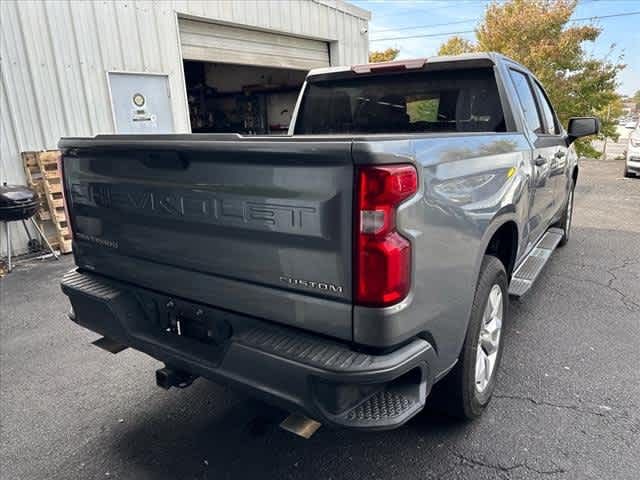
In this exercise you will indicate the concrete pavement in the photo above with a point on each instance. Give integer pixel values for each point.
(567, 402)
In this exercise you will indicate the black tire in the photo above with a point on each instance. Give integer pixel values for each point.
(627, 173)
(567, 218)
(458, 389)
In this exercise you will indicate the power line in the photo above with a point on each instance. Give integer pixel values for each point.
(473, 20)
(422, 3)
(422, 10)
(444, 34)
(595, 17)
(598, 17)
(477, 19)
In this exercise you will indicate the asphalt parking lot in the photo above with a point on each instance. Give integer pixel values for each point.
(567, 404)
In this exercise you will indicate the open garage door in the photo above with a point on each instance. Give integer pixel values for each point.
(213, 42)
(244, 80)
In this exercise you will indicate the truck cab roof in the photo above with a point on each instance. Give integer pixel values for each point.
(440, 61)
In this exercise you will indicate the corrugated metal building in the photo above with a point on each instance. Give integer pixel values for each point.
(68, 67)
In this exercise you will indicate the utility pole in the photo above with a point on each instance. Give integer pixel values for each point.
(604, 149)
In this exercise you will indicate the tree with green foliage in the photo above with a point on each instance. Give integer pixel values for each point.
(384, 55)
(425, 110)
(455, 46)
(538, 35)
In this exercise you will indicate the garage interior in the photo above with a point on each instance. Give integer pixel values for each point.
(241, 98)
(244, 80)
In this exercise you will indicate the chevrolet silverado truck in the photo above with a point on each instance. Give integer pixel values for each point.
(343, 270)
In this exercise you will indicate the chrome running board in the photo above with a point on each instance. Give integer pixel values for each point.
(526, 274)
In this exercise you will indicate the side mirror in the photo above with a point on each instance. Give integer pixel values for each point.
(582, 127)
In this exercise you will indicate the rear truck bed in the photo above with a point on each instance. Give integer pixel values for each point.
(231, 258)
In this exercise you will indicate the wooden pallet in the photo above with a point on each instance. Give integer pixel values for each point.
(43, 174)
(49, 163)
(34, 180)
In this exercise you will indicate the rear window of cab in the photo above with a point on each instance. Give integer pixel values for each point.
(463, 100)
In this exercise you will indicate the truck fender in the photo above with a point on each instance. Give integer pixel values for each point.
(506, 214)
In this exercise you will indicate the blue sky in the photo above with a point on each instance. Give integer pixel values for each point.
(391, 18)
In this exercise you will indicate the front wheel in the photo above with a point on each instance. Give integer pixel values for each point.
(470, 384)
(567, 217)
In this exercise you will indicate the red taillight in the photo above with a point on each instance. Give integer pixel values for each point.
(383, 256)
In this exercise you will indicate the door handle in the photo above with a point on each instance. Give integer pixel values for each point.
(540, 161)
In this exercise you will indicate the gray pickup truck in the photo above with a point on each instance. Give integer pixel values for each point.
(342, 271)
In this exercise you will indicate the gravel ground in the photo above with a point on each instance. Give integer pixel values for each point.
(566, 406)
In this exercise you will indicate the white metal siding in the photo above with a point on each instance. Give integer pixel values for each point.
(54, 57)
(212, 42)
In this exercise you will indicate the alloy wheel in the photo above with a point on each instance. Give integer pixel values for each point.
(569, 214)
(489, 339)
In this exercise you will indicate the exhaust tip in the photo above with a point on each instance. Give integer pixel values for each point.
(300, 425)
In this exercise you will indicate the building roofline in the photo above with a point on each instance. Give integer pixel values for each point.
(346, 7)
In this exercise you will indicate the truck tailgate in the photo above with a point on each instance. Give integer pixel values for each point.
(256, 226)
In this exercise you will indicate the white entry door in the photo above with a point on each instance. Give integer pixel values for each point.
(140, 102)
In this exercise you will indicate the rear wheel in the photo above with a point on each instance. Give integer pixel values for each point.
(470, 384)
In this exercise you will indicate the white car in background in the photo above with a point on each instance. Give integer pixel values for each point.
(632, 162)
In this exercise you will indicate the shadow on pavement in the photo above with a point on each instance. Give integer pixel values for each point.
(245, 441)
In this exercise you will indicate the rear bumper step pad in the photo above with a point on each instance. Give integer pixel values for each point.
(319, 377)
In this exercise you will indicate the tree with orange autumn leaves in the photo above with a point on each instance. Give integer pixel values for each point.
(538, 34)
(383, 55)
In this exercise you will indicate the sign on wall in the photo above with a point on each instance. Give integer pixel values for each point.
(140, 102)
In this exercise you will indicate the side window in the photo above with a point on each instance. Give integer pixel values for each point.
(547, 111)
(527, 101)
